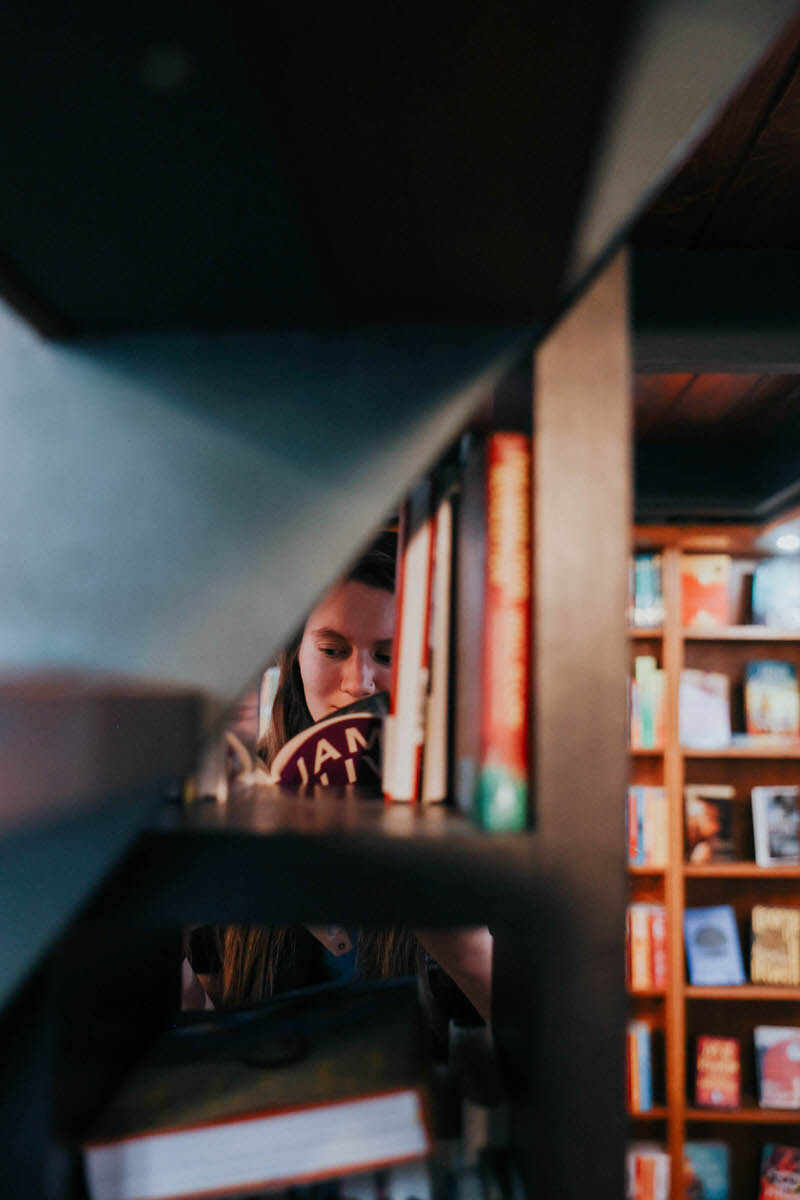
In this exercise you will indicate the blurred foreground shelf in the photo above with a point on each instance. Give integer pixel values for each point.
(279, 857)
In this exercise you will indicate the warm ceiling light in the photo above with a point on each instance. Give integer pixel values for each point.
(788, 542)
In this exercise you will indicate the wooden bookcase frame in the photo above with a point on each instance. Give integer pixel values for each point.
(684, 1010)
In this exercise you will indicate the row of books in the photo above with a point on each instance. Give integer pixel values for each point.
(455, 725)
(646, 959)
(717, 1074)
(647, 826)
(717, 1067)
(709, 824)
(706, 591)
(706, 1171)
(714, 953)
(643, 1061)
(648, 704)
(458, 721)
(771, 704)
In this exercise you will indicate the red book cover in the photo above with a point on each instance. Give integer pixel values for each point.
(717, 1072)
(705, 600)
(502, 793)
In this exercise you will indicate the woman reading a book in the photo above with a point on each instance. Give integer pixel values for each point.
(341, 656)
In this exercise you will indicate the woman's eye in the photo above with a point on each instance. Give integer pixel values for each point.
(383, 658)
(331, 651)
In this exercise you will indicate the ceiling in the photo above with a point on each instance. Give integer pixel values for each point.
(717, 444)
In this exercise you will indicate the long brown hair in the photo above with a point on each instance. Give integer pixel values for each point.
(252, 956)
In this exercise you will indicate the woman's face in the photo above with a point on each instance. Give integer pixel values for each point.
(346, 651)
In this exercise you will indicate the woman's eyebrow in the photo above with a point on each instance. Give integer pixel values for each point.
(326, 631)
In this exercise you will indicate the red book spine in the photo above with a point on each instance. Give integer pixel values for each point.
(658, 946)
(502, 800)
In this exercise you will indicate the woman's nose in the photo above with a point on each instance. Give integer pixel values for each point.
(359, 676)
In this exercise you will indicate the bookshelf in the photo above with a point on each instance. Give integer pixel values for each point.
(685, 1010)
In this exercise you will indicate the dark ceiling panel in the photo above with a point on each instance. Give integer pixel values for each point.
(654, 396)
(687, 203)
(762, 204)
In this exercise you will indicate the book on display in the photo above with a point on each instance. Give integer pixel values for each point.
(712, 945)
(776, 825)
(778, 1066)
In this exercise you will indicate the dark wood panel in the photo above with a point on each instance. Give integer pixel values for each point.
(687, 203)
(654, 396)
(760, 207)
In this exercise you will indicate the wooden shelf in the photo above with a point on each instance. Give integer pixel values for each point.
(740, 870)
(275, 856)
(657, 1113)
(639, 752)
(647, 993)
(640, 870)
(753, 749)
(638, 634)
(745, 991)
(741, 633)
(745, 1116)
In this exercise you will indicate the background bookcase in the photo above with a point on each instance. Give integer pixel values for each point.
(684, 1011)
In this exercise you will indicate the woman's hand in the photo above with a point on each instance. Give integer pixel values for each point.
(466, 956)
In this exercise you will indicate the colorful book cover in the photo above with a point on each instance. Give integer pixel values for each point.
(778, 1066)
(704, 710)
(706, 1170)
(717, 1072)
(705, 590)
(712, 947)
(708, 823)
(771, 698)
(775, 945)
(776, 825)
(780, 1172)
(776, 593)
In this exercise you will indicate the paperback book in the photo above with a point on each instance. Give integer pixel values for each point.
(776, 825)
(777, 1066)
(646, 816)
(780, 1172)
(776, 593)
(706, 1170)
(712, 947)
(708, 822)
(771, 698)
(705, 590)
(717, 1078)
(775, 945)
(704, 710)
